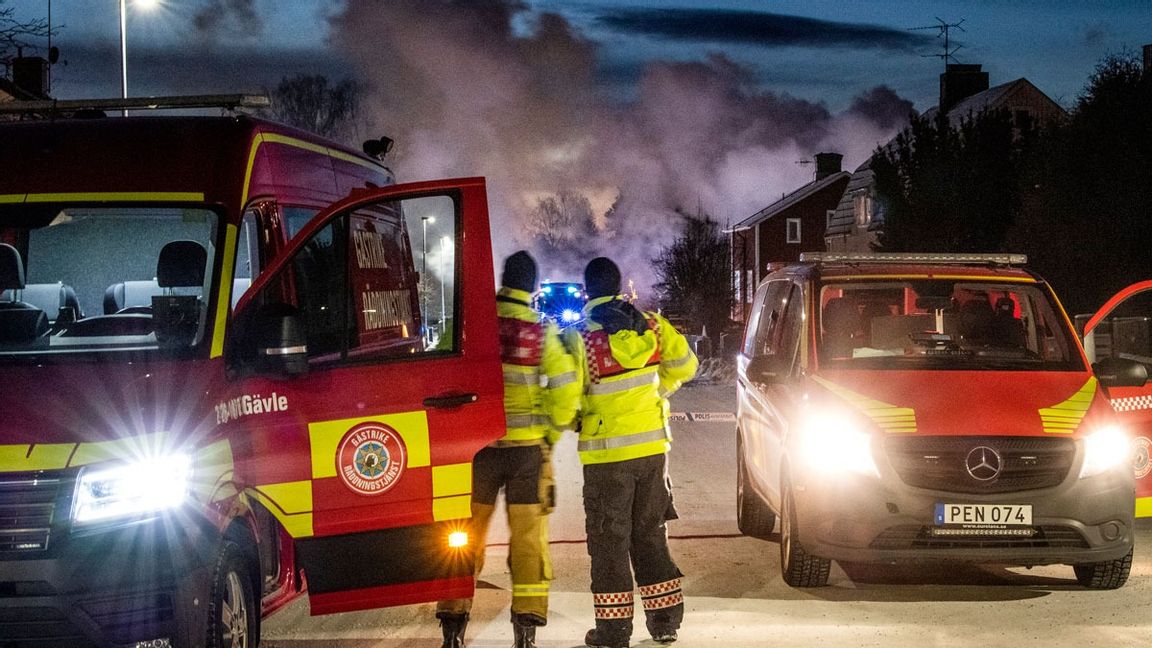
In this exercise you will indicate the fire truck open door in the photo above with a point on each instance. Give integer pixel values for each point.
(1122, 328)
(371, 348)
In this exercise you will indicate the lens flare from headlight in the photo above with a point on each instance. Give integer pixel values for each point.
(458, 539)
(141, 488)
(570, 315)
(835, 444)
(1105, 449)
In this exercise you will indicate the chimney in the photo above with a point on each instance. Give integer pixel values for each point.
(827, 164)
(30, 74)
(960, 81)
(1148, 58)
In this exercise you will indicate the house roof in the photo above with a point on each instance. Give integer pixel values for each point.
(789, 200)
(994, 97)
(844, 218)
(845, 214)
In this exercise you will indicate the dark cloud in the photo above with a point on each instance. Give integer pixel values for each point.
(757, 28)
(233, 16)
(882, 106)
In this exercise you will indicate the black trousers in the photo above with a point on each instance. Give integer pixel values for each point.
(626, 505)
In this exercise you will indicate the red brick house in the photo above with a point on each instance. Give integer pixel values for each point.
(778, 233)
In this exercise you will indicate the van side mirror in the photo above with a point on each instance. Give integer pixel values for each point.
(280, 339)
(765, 369)
(1119, 372)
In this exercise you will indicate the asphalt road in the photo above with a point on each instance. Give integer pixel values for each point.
(734, 594)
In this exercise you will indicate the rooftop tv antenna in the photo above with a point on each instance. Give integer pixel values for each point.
(944, 29)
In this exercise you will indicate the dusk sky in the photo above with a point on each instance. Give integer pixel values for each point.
(821, 51)
(638, 107)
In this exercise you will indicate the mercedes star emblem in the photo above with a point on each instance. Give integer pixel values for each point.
(983, 463)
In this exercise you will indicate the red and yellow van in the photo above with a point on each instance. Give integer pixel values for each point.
(220, 392)
(931, 408)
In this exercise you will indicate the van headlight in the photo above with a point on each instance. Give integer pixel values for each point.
(137, 489)
(836, 444)
(1105, 449)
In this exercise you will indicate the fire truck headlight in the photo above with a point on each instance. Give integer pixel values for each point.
(458, 539)
(569, 315)
(835, 444)
(1105, 449)
(132, 490)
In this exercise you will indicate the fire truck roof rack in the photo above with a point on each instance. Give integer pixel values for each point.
(225, 101)
(930, 258)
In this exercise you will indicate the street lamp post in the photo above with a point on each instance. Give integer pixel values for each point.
(445, 241)
(424, 220)
(123, 54)
(145, 4)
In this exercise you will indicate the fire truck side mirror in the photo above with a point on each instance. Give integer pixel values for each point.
(1120, 372)
(764, 369)
(281, 341)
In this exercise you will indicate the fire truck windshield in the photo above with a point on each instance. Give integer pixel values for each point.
(944, 324)
(81, 279)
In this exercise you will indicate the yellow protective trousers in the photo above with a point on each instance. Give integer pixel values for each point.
(517, 470)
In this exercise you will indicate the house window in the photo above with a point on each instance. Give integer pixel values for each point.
(862, 208)
(793, 225)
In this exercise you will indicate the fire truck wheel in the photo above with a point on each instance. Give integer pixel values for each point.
(753, 517)
(232, 613)
(1110, 574)
(798, 567)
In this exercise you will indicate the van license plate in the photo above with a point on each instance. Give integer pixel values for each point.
(984, 515)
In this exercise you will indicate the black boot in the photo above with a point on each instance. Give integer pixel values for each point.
(453, 626)
(614, 633)
(525, 636)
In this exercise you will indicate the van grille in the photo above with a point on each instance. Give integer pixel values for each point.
(27, 511)
(939, 463)
(921, 537)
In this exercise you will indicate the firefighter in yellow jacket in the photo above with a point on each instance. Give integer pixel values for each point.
(541, 396)
(629, 363)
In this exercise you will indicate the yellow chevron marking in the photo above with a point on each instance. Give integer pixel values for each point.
(1065, 417)
(890, 418)
(291, 503)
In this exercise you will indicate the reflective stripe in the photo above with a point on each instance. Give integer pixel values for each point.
(678, 362)
(527, 420)
(517, 378)
(622, 441)
(535, 589)
(624, 384)
(617, 605)
(560, 380)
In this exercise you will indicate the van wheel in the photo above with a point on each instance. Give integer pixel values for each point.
(753, 517)
(233, 619)
(1110, 574)
(798, 567)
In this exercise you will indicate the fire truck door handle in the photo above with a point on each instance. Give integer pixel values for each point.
(449, 401)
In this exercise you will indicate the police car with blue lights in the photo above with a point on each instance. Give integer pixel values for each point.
(561, 302)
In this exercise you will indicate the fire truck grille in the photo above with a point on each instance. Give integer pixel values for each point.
(27, 512)
(921, 537)
(981, 464)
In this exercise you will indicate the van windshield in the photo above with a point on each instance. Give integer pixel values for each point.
(103, 279)
(944, 324)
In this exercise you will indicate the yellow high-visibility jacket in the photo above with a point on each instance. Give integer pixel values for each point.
(626, 379)
(541, 383)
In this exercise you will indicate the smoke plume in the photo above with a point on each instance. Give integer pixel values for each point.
(488, 87)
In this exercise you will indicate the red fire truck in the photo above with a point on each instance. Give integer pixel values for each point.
(220, 392)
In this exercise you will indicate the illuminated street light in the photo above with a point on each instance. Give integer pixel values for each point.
(445, 247)
(424, 220)
(145, 5)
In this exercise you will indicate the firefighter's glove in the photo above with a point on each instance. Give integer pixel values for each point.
(619, 315)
